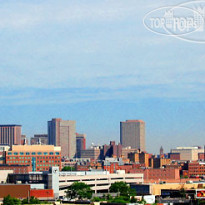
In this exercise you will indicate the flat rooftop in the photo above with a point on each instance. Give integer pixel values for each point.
(11, 125)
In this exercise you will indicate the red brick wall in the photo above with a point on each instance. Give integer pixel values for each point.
(196, 169)
(17, 169)
(42, 193)
(175, 156)
(158, 174)
(18, 191)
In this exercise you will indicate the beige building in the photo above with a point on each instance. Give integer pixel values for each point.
(63, 133)
(156, 189)
(4, 175)
(132, 134)
(188, 153)
(98, 180)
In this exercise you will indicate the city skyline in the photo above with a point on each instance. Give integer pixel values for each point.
(94, 62)
(103, 142)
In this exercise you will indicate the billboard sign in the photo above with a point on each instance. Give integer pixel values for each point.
(200, 193)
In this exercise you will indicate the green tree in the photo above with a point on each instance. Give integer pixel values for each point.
(8, 200)
(121, 199)
(133, 200)
(34, 200)
(122, 189)
(68, 168)
(79, 190)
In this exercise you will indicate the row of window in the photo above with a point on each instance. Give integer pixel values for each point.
(33, 153)
(32, 157)
(17, 162)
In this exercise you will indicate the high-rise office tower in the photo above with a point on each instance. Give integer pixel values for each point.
(132, 134)
(80, 143)
(63, 133)
(10, 135)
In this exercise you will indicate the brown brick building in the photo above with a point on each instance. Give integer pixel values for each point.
(17, 169)
(10, 135)
(140, 157)
(196, 169)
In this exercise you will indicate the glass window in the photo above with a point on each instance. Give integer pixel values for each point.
(57, 153)
(33, 153)
(9, 153)
(21, 153)
(51, 153)
(15, 153)
(39, 153)
(45, 153)
(27, 153)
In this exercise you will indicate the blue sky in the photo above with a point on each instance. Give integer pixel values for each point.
(96, 63)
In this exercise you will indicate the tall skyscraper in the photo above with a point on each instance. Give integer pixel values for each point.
(10, 135)
(132, 134)
(80, 143)
(63, 133)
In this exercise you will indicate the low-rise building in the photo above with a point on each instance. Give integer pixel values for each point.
(39, 157)
(159, 162)
(16, 168)
(196, 169)
(140, 157)
(93, 153)
(99, 181)
(188, 153)
(159, 189)
(157, 175)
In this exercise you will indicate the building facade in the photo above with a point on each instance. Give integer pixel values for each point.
(17, 169)
(63, 133)
(188, 153)
(24, 140)
(99, 181)
(39, 157)
(93, 153)
(39, 139)
(140, 157)
(132, 134)
(196, 169)
(10, 135)
(80, 143)
(112, 150)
